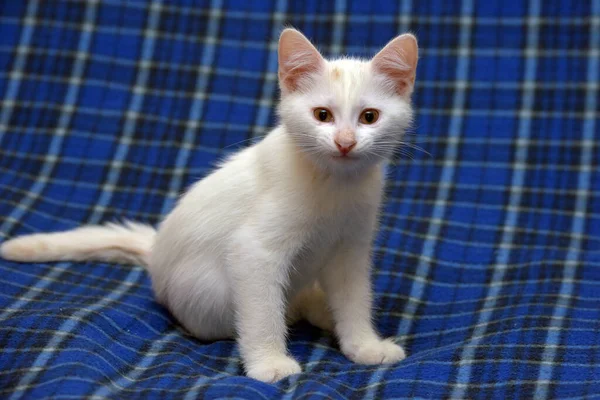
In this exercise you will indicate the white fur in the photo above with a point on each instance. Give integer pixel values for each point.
(253, 243)
(127, 243)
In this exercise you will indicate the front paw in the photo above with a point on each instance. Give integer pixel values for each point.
(374, 351)
(272, 369)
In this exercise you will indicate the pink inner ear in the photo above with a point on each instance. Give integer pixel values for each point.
(398, 61)
(298, 66)
(298, 59)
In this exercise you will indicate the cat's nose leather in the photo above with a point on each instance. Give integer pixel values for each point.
(345, 146)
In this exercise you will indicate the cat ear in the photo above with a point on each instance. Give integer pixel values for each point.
(298, 59)
(398, 62)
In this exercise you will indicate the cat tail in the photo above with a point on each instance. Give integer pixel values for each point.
(128, 243)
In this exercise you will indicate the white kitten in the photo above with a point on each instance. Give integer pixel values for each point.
(253, 243)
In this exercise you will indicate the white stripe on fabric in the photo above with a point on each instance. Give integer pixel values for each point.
(195, 114)
(579, 220)
(439, 207)
(135, 106)
(339, 21)
(518, 179)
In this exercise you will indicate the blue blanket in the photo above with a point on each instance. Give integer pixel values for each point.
(488, 256)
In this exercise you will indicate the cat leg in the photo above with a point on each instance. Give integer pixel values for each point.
(260, 271)
(310, 304)
(346, 281)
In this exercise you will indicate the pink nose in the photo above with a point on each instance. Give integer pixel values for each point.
(345, 146)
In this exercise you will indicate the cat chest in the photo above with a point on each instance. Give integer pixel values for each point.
(320, 244)
(308, 263)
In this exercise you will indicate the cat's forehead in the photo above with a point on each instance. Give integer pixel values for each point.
(347, 70)
(347, 80)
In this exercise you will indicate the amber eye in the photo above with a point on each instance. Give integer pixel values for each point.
(369, 116)
(323, 115)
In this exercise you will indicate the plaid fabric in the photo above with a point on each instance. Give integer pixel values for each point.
(488, 258)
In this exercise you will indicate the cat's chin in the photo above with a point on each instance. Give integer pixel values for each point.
(345, 159)
(346, 165)
(336, 164)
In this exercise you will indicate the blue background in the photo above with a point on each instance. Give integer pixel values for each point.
(488, 256)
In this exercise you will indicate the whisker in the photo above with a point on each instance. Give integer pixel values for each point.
(415, 147)
(244, 141)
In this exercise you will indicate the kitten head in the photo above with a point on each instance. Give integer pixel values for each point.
(346, 114)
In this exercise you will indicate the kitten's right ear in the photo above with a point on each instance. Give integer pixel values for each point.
(298, 60)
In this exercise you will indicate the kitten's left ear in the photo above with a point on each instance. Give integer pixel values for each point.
(398, 61)
(298, 60)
